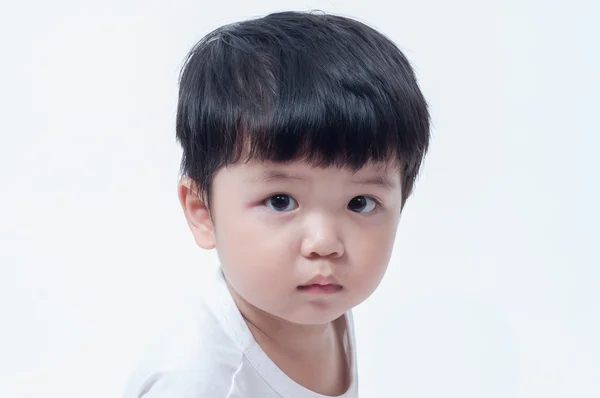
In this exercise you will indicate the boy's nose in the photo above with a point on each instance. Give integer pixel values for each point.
(321, 239)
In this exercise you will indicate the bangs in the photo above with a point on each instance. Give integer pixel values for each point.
(307, 116)
(294, 109)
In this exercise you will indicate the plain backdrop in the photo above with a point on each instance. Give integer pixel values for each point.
(493, 288)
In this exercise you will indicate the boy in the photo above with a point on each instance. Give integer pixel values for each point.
(302, 137)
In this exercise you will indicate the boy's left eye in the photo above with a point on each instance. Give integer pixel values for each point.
(281, 202)
(362, 204)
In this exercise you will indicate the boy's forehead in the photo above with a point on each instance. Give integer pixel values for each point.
(381, 173)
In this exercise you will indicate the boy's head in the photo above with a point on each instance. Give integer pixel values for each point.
(302, 137)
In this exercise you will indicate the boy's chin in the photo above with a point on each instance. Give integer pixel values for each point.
(315, 318)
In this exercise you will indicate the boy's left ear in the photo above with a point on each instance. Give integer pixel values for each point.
(197, 214)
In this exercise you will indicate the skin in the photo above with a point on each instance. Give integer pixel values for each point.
(328, 222)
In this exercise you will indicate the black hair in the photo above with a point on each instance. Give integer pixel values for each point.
(318, 87)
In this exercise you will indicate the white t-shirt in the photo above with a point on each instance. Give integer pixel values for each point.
(214, 355)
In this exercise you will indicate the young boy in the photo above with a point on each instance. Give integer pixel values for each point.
(302, 137)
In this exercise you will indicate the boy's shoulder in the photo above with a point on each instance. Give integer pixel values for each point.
(194, 358)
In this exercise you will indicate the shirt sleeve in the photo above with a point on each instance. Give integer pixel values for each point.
(175, 384)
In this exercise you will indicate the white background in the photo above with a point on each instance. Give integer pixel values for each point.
(493, 289)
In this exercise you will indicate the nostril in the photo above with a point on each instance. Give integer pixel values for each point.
(315, 255)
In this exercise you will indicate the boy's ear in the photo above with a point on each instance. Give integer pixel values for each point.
(197, 214)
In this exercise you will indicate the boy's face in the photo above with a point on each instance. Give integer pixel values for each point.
(277, 226)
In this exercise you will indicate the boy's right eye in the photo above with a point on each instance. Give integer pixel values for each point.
(281, 202)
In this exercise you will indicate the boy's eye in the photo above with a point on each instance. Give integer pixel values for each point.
(362, 204)
(281, 203)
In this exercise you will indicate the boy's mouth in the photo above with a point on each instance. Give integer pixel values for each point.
(321, 285)
(320, 289)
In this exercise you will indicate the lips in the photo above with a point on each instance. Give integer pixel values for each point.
(321, 285)
(320, 289)
(322, 280)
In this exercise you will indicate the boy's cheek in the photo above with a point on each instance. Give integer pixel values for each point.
(250, 241)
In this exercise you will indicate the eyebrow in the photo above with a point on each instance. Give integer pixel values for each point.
(274, 175)
(378, 180)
